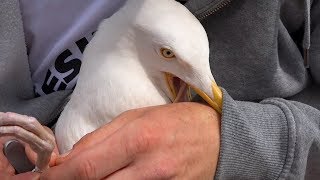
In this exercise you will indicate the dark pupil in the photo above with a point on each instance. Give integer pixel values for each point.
(168, 53)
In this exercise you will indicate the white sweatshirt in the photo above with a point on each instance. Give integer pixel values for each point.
(57, 31)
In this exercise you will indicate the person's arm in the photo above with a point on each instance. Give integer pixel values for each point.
(273, 139)
(176, 141)
(276, 138)
(269, 140)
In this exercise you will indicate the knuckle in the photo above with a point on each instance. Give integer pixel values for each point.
(140, 143)
(87, 170)
(144, 140)
(49, 147)
(52, 141)
(9, 115)
(45, 147)
(32, 120)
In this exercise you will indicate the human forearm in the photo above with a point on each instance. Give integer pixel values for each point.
(176, 141)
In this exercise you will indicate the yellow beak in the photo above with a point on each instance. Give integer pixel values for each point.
(215, 103)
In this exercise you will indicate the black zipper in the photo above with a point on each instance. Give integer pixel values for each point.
(214, 10)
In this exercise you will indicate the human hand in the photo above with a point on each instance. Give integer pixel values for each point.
(24, 176)
(7, 172)
(176, 141)
(5, 166)
(32, 134)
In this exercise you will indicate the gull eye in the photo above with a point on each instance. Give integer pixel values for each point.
(167, 53)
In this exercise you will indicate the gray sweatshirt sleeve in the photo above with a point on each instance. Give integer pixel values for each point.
(315, 42)
(16, 87)
(268, 140)
(275, 138)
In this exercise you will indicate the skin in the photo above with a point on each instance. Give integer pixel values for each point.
(176, 141)
(5, 167)
(30, 131)
(7, 172)
(24, 176)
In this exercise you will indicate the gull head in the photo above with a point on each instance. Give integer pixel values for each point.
(171, 45)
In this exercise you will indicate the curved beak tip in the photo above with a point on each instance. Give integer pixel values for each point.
(218, 97)
(216, 101)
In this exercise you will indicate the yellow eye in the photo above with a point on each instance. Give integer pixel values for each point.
(167, 53)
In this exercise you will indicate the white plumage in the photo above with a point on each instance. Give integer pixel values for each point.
(128, 63)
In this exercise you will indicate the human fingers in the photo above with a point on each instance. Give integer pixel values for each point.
(32, 156)
(29, 130)
(24, 176)
(98, 135)
(96, 162)
(170, 141)
(28, 123)
(5, 166)
(178, 142)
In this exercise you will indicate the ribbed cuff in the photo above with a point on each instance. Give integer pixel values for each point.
(257, 139)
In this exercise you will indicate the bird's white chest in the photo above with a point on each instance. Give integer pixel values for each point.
(113, 89)
(102, 93)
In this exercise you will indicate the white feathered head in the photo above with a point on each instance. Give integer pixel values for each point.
(169, 43)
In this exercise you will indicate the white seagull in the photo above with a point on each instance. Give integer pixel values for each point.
(148, 53)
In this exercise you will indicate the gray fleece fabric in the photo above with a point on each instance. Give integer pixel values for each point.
(16, 87)
(270, 120)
